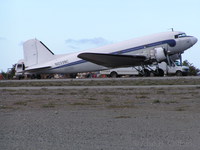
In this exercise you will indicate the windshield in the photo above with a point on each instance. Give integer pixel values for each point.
(180, 35)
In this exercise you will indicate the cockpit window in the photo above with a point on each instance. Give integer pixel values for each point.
(180, 35)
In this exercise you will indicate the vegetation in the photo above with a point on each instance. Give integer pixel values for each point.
(9, 74)
(23, 103)
(120, 106)
(156, 101)
(122, 117)
(192, 69)
(49, 105)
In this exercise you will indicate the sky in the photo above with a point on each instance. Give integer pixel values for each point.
(67, 26)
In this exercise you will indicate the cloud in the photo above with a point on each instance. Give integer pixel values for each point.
(96, 41)
(86, 43)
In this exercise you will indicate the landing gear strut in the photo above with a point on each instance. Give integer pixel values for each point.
(147, 71)
(144, 72)
(159, 72)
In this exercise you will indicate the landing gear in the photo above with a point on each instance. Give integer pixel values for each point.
(147, 71)
(152, 74)
(159, 72)
(144, 72)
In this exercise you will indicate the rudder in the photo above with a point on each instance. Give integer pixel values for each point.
(35, 52)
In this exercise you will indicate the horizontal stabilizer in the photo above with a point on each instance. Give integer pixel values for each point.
(36, 69)
(113, 60)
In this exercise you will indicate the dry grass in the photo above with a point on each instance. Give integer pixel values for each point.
(49, 105)
(122, 117)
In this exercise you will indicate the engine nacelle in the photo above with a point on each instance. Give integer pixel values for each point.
(158, 54)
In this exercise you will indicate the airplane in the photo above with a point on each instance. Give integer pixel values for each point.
(142, 51)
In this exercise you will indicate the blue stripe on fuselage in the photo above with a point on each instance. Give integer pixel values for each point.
(70, 64)
(171, 43)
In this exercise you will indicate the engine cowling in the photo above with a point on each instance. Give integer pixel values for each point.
(158, 54)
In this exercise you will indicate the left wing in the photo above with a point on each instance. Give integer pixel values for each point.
(113, 60)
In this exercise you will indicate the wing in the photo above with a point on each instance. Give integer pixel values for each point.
(113, 60)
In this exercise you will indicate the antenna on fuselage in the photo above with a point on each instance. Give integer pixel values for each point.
(172, 29)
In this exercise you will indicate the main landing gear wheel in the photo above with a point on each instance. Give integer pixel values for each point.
(146, 73)
(152, 74)
(160, 72)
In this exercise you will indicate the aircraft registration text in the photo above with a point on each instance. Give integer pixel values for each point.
(61, 62)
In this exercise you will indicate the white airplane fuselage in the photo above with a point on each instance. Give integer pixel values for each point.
(171, 42)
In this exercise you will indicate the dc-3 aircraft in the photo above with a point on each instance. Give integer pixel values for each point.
(143, 51)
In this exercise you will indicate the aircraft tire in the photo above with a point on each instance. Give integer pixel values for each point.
(152, 74)
(146, 73)
(160, 72)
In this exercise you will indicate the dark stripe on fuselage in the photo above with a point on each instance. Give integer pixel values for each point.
(171, 43)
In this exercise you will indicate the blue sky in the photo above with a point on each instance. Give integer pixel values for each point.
(72, 25)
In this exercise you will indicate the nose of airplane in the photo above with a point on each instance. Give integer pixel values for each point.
(194, 40)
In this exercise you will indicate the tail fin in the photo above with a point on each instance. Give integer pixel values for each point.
(35, 52)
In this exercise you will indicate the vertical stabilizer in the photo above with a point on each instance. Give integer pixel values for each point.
(35, 52)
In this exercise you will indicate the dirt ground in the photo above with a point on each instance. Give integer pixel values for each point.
(157, 117)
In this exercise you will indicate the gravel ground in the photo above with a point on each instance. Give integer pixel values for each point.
(159, 117)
